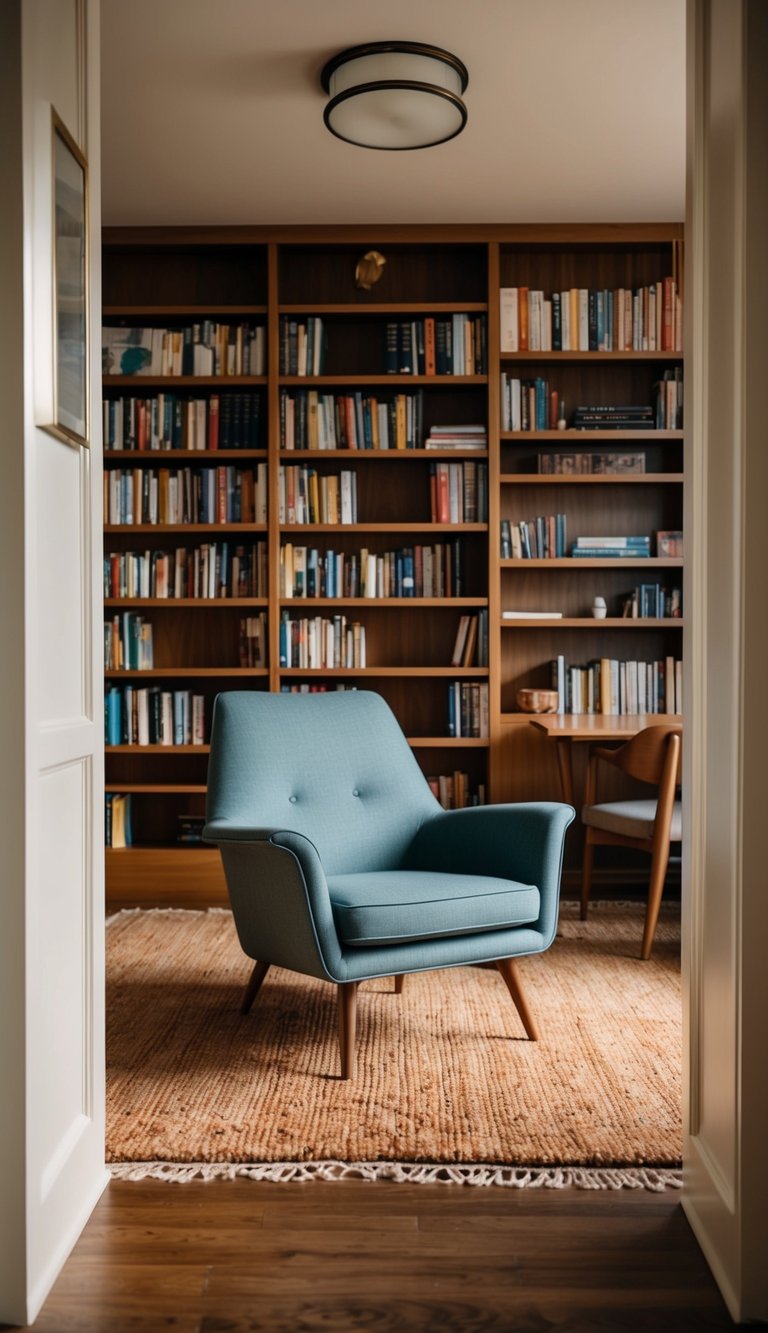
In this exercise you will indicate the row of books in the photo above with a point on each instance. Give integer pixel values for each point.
(529, 404)
(165, 495)
(653, 600)
(581, 319)
(612, 547)
(411, 571)
(150, 715)
(205, 348)
(471, 644)
(454, 790)
(612, 687)
(306, 496)
(302, 345)
(128, 643)
(211, 570)
(172, 421)
(118, 829)
(252, 641)
(468, 709)
(540, 538)
(458, 492)
(449, 345)
(588, 464)
(313, 420)
(614, 416)
(669, 400)
(321, 642)
(190, 829)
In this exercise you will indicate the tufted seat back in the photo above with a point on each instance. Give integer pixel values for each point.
(334, 767)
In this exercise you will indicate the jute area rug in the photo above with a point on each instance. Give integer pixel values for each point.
(447, 1086)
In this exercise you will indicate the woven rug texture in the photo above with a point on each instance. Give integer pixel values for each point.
(444, 1072)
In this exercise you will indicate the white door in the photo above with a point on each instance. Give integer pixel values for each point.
(726, 735)
(52, 1013)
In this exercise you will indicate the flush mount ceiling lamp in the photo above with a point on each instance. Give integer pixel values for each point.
(395, 95)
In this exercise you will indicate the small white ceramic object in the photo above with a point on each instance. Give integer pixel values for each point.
(599, 608)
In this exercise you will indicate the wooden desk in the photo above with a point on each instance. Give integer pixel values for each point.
(566, 728)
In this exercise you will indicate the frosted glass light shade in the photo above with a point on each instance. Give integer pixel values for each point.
(395, 95)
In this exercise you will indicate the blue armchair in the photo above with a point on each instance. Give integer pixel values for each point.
(341, 864)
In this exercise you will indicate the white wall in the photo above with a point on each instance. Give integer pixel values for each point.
(51, 943)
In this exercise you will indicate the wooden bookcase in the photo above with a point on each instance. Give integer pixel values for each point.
(176, 277)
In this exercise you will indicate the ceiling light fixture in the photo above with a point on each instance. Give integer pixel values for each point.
(395, 95)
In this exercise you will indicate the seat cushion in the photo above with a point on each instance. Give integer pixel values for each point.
(634, 819)
(400, 906)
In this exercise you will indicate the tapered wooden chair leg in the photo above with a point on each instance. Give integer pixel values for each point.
(399, 984)
(586, 876)
(655, 890)
(347, 1004)
(254, 986)
(508, 969)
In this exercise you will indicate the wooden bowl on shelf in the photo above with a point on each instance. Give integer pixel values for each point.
(537, 701)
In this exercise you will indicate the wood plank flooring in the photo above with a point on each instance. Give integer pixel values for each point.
(239, 1256)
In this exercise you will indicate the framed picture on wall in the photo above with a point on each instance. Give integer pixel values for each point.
(70, 288)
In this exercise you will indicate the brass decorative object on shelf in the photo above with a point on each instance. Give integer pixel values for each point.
(537, 701)
(369, 269)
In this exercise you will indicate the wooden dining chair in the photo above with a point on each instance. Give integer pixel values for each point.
(649, 824)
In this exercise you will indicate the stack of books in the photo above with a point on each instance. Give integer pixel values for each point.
(614, 417)
(611, 547)
(457, 437)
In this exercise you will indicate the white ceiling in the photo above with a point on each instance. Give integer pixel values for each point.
(212, 112)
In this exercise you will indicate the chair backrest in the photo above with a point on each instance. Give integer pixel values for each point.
(645, 755)
(335, 767)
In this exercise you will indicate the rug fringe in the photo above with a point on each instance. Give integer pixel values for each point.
(652, 1178)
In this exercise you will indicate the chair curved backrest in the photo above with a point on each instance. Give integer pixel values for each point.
(654, 756)
(644, 756)
(334, 767)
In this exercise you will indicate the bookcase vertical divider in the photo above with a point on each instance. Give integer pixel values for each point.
(273, 464)
(494, 515)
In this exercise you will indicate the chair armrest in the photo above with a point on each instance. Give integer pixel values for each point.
(523, 841)
(279, 896)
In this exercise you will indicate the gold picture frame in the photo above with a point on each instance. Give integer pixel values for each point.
(71, 332)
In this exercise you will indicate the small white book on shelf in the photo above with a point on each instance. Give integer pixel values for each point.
(531, 615)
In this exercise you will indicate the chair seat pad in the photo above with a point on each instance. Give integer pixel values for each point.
(634, 819)
(400, 906)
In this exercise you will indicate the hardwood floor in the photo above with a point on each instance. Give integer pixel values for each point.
(242, 1256)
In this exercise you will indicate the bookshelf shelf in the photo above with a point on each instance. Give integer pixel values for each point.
(391, 381)
(400, 672)
(169, 603)
(382, 455)
(273, 278)
(590, 479)
(597, 562)
(398, 603)
(185, 456)
(589, 623)
(671, 358)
